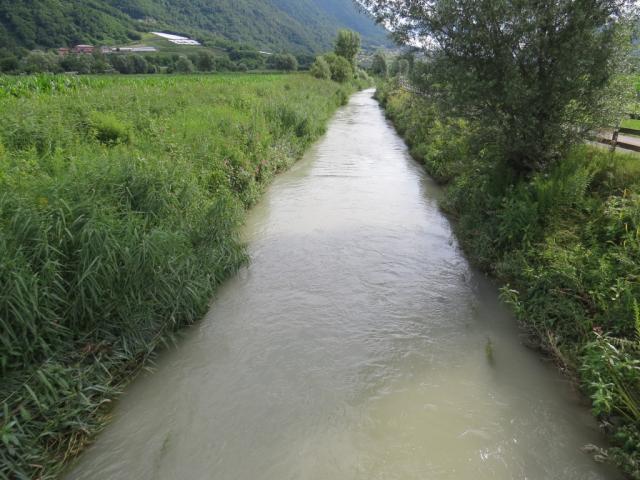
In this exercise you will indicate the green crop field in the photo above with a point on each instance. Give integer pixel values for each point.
(631, 123)
(120, 199)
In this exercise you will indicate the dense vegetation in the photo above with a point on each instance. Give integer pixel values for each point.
(297, 26)
(509, 67)
(340, 65)
(120, 199)
(499, 111)
(565, 243)
(195, 60)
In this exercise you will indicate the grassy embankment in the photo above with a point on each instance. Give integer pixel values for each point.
(119, 204)
(631, 123)
(634, 108)
(565, 244)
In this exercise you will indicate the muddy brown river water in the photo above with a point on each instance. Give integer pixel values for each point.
(352, 347)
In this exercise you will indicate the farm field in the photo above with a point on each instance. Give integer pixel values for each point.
(121, 198)
(631, 123)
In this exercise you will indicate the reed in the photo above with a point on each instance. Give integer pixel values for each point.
(120, 201)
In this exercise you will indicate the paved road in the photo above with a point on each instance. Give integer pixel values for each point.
(623, 139)
(629, 139)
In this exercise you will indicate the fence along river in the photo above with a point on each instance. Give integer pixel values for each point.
(352, 347)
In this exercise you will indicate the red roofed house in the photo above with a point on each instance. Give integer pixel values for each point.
(83, 49)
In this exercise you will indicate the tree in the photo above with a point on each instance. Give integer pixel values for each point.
(403, 67)
(9, 63)
(99, 64)
(341, 70)
(40, 62)
(320, 69)
(348, 45)
(379, 65)
(183, 65)
(305, 60)
(120, 63)
(285, 62)
(138, 64)
(532, 74)
(205, 62)
(77, 63)
(223, 64)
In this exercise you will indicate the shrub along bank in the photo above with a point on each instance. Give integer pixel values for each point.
(564, 242)
(119, 206)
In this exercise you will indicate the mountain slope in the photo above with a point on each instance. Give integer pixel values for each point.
(326, 16)
(302, 26)
(53, 23)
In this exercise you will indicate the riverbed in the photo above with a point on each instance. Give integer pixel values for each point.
(357, 344)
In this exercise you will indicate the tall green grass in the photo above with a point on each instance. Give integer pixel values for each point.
(120, 201)
(565, 243)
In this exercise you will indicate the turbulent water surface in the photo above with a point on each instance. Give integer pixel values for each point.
(352, 347)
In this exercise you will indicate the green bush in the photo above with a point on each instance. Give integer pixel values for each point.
(108, 129)
(40, 62)
(379, 65)
(340, 67)
(183, 65)
(320, 69)
(285, 62)
(363, 75)
(343, 97)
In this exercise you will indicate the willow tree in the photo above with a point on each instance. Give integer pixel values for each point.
(536, 75)
(379, 64)
(348, 45)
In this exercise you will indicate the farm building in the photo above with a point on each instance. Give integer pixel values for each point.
(143, 49)
(83, 49)
(177, 39)
(138, 49)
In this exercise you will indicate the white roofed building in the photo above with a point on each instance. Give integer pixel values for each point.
(177, 39)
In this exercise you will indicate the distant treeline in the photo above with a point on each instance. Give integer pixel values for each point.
(204, 61)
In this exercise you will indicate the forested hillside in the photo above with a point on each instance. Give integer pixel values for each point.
(302, 26)
(53, 23)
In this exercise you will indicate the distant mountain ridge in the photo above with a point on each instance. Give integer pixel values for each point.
(299, 26)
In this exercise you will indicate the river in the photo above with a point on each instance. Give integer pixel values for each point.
(352, 347)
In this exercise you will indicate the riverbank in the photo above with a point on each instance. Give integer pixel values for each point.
(354, 346)
(565, 244)
(119, 210)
